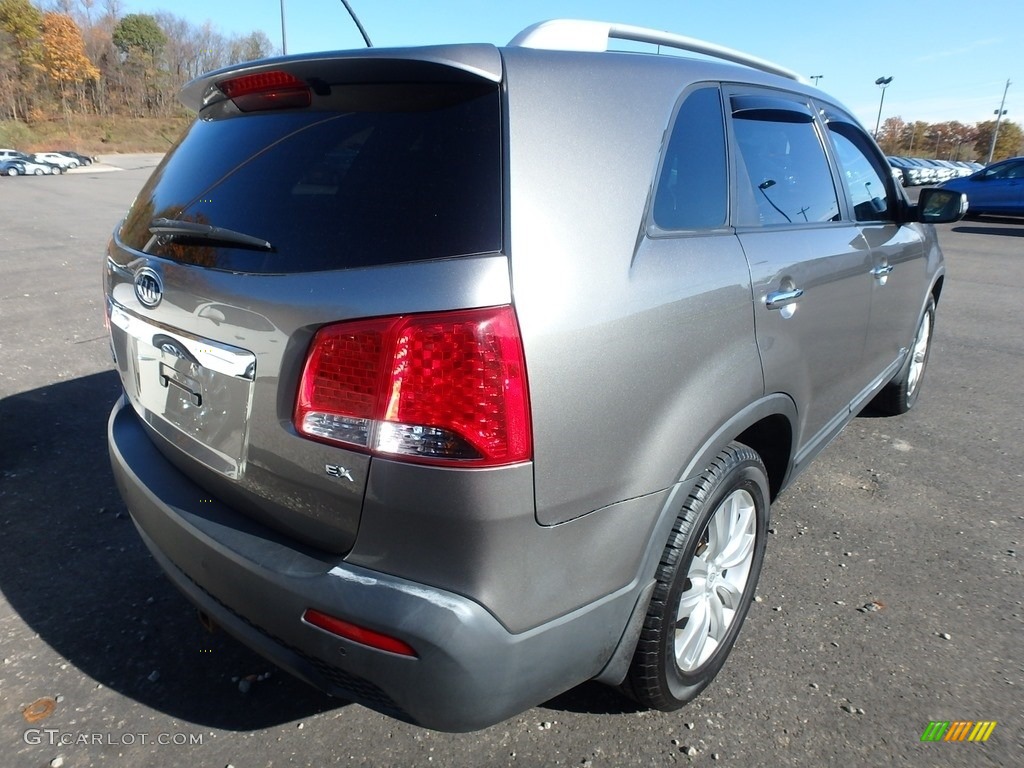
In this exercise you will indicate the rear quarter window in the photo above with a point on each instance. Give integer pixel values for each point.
(692, 190)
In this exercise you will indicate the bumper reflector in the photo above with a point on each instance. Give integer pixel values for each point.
(357, 634)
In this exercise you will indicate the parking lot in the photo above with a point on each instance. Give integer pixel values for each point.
(891, 594)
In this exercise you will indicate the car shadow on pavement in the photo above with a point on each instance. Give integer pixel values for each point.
(593, 699)
(991, 225)
(76, 573)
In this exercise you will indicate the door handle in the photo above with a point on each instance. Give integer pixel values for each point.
(780, 299)
(881, 271)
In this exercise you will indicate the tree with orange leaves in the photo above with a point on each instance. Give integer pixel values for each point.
(64, 55)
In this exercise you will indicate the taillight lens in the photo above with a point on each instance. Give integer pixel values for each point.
(447, 388)
(266, 90)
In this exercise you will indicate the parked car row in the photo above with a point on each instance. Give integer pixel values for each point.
(912, 171)
(15, 163)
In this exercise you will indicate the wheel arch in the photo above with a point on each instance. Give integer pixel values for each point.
(937, 288)
(767, 427)
(772, 439)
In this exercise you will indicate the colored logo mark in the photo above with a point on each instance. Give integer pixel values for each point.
(958, 730)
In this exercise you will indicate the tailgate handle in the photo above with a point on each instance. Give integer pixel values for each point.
(170, 376)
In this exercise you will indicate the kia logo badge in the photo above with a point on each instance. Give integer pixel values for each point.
(149, 289)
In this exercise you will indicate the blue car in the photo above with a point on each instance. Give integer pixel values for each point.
(12, 168)
(997, 189)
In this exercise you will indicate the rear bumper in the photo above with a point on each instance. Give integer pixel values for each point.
(470, 672)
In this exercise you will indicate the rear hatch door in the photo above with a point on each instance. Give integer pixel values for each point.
(310, 190)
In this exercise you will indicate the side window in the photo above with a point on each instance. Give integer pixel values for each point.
(862, 174)
(692, 191)
(785, 163)
(1006, 171)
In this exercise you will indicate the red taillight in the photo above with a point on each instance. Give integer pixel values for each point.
(266, 90)
(357, 634)
(445, 388)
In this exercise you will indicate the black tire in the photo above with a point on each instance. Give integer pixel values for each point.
(900, 394)
(12, 171)
(736, 486)
(38, 172)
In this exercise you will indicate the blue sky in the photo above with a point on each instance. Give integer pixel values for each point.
(948, 60)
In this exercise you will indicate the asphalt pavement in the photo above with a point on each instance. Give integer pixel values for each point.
(891, 595)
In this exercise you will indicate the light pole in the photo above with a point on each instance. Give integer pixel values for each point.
(816, 78)
(882, 83)
(995, 132)
(284, 40)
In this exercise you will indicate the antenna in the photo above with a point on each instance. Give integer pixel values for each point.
(359, 24)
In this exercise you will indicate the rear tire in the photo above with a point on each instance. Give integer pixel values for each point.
(900, 394)
(704, 583)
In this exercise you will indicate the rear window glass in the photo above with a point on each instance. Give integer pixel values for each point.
(415, 174)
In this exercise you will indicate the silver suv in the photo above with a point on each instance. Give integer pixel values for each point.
(457, 376)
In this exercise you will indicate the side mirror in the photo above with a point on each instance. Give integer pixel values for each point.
(940, 206)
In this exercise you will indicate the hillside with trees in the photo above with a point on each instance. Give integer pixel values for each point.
(83, 73)
(77, 70)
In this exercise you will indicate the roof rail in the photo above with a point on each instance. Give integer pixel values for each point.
(579, 35)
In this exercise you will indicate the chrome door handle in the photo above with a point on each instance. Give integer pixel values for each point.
(881, 271)
(780, 299)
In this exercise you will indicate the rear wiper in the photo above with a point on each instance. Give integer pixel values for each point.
(167, 228)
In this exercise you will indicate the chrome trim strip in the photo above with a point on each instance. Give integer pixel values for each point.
(217, 357)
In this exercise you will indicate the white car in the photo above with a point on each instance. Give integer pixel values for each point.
(55, 158)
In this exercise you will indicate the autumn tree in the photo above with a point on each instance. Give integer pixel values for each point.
(891, 134)
(64, 56)
(8, 78)
(1010, 142)
(21, 25)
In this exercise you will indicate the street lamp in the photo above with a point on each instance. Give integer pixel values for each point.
(816, 78)
(995, 132)
(882, 83)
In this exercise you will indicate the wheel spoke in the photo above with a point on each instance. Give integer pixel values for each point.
(716, 619)
(718, 531)
(691, 598)
(691, 639)
(730, 590)
(688, 601)
(919, 353)
(741, 533)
